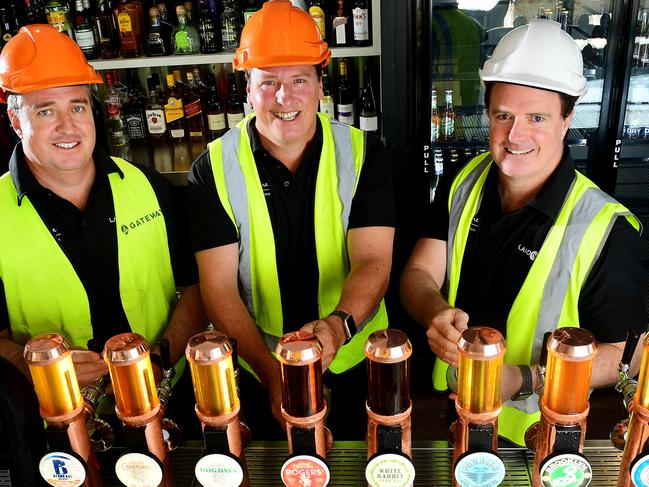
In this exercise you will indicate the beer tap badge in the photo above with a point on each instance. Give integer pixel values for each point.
(305, 471)
(566, 470)
(640, 472)
(62, 470)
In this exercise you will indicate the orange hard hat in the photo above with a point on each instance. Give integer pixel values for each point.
(40, 57)
(280, 35)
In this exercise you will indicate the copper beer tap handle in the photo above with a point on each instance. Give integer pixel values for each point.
(564, 419)
(307, 421)
(477, 418)
(389, 420)
(218, 421)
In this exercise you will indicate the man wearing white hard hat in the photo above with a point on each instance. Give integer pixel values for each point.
(519, 240)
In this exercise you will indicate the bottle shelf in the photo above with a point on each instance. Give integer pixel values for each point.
(219, 58)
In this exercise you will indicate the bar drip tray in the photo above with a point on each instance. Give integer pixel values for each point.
(433, 461)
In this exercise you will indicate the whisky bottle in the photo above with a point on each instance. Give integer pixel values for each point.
(58, 16)
(369, 117)
(107, 30)
(134, 111)
(184, 38)
(34, 12)
(154, 113)
(154, 44)
(8, 24)
(193, 110)
(341, 25)
(208, 27)
(174, 114)
(130, 20)
(231, 25)
(235, 104)
(215, 115)
(345, 105)
(83, 30)
(165, 24)
(327, 101)
(117, 133)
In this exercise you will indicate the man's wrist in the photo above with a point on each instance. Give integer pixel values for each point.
(347, 324)
(337, 328)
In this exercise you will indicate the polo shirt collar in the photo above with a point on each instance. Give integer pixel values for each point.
(551, 196)
(258, 149)
(26, 183)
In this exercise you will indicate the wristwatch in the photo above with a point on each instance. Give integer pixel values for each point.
(349, 326)
(526, 389)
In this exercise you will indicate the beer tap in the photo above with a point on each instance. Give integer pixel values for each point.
(634, 466)
(388, 407)
(211, 360)
(626, 386)
(564, 409)
(138, 406)
(304, 409)
(171, 431)
(71, 458)
(102, 436)
(475, 433)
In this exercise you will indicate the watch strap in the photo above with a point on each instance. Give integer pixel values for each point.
(526, 389)
(348, 323)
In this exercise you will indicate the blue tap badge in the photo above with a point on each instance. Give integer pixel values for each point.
(479, 469)
(62, 469)
(640, 472)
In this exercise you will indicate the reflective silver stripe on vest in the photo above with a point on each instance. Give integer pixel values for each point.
(460, 196)
(235, 183)
(238, 196)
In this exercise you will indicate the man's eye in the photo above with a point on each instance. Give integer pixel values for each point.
(78, 109)
(502, 116)
(538, 118)
(45, 112)
(299, 80)
(268, 83)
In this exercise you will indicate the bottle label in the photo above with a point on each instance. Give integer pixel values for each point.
(234, 119)
(340, 24)
(85, 38)
(135, 126)
(173, 109)
(448, 126)
(216, 121)
(346, 113)
(155, 121)
(229, 36)
(58, 19)
(434, 129)
(369, 124)
(327, 106)
(183, 44)
(319, 17)
(124, 21)
(361, 24)
(58, 468)
(138, 469)
(112, 109)
(193, 108)
(177, 133)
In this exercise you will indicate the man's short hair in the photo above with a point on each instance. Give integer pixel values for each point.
(567, 101)
(14, 101)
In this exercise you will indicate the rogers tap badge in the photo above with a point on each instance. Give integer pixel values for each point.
(390, 470)
(305, 471)
(479, 469)
(566, 470)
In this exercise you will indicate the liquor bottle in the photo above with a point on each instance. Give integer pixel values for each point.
(58, 16)
(215, 116)
(448, 118)
(369, 118)
(166, 24)
(235, 105)
(327, 101)
(154, 113)
(317, 11)
(345, 105)
(134, 113)
(107, 30)
(341, 26)
(203, 92)
(193, 110)
(174, 114)
(116, 125)
(208, 27)
(231, 25)
(83, 30)
(130, 20)
(253, 6)
(154, 44)
(178, 80)
(184, 38)
(34, 12)
(434, 117)
(361, 17)
(8, 24)
(189, 14)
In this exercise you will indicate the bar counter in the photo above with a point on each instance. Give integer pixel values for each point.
(346, 460)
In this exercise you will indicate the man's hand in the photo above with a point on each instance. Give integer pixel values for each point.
(511, 381)
(331, 334)
(89, 366)
(444, 332)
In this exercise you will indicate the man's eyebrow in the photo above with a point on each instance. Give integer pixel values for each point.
(46, 104)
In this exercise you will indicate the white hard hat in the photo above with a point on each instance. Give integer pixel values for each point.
(538, 54)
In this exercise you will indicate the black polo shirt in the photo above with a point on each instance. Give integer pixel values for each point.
(89, 239)
(496, 261)
(290, 202)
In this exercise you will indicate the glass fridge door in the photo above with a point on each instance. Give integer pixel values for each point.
(463, 35)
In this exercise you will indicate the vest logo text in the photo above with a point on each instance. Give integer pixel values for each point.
(530, 253)
(140, 221)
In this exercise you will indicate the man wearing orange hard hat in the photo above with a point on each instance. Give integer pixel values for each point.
(89, 244)
(293, 220)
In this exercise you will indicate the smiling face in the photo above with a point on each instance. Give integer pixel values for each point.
(526, 131)
(56, 129)
(285, 100)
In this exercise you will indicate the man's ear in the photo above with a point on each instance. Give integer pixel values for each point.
(15, 122)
